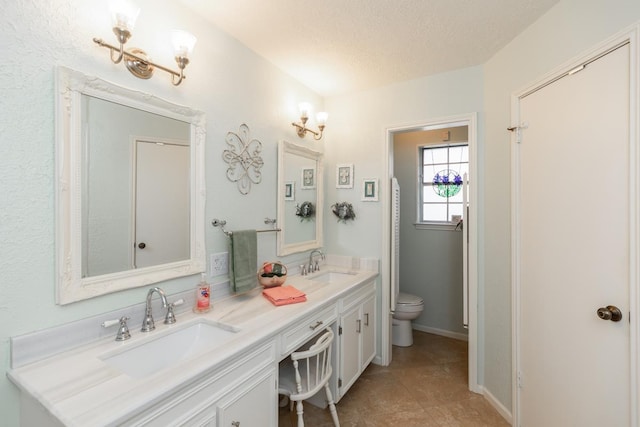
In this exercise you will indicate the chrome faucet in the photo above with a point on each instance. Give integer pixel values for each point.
(315, 267)
(147, 323)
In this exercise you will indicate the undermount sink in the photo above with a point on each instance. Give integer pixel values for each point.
(169, 348)
(331, 276)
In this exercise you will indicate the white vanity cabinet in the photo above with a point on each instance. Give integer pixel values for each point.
(234, 385)
(357, 338)
(243, 392)
(253, 403)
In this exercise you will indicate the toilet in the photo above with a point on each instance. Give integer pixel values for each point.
(408, 307)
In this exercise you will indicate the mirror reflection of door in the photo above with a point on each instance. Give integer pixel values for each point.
(161, 203)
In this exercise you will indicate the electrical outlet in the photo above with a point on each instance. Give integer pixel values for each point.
(219, 264)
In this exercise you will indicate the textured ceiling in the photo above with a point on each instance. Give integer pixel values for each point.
(340, 46)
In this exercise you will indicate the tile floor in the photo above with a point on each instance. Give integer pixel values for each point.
(425, 385)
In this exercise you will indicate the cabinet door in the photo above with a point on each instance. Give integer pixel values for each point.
(350, 349)
(252, 403)
(368, 331)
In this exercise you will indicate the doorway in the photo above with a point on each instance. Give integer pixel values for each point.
(574, 357)
(469, 120)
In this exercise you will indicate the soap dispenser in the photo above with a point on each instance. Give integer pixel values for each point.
(203, 292)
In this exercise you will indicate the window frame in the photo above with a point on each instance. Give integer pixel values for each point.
(420, 223)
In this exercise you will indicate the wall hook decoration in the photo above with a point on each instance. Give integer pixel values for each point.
(243, 157)
(305, 211)
(344, 211)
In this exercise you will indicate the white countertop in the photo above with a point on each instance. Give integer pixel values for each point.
(80, 389)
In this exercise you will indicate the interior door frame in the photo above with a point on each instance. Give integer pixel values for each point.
(630, 35)
(385, 186)
(134, 140)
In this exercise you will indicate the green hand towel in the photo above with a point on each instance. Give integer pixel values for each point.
(244, 260)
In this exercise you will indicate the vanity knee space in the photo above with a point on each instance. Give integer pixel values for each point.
(353, 321)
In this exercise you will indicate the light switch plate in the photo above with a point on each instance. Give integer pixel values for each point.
(219, 264)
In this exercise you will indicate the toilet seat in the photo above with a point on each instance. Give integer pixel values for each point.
(407, 300)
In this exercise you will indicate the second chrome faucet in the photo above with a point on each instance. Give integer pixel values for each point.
(147, 323)
(314, 267)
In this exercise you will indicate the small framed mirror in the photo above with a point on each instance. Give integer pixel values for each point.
(300, 198)
(129, 188)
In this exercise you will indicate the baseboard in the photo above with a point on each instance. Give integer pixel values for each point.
(442, 332)
(504, 412)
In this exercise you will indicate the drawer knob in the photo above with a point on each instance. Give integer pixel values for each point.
(313, 327)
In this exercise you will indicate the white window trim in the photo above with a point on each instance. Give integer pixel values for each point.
(442, 226)
(432, 225)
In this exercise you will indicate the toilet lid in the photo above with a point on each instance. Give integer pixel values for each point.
(408, 299)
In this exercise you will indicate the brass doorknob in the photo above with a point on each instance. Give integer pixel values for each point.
(610, 312)
(142, 245)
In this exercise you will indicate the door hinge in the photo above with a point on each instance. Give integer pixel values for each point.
(339, 330)
(518, 131)
(339, 382)
(576, 70)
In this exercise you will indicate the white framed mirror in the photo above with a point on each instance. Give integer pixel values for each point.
(300, 198)
(130, 189)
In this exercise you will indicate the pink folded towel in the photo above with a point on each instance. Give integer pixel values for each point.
(283, 295)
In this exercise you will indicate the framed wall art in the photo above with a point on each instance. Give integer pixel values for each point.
(370, 190)
(344, 175)
(308, 179)
(290, 190)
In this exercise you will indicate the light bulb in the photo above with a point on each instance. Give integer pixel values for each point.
(321, 118)
(124, 14)
(183, 43)
(304, 108)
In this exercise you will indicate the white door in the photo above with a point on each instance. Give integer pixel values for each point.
(161, 203)
(573, 248)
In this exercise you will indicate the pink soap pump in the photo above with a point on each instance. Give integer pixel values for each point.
(203, 293)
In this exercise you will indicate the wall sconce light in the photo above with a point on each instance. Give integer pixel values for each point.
(302, 128)
(123, 16)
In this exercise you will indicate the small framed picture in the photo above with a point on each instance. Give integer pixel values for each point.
(370, 190)
(308, 179)
(344, 175)
(290, 190)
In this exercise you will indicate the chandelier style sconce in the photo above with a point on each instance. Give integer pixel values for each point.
(123, 16)
(302, 128)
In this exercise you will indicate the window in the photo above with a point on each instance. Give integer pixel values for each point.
(442, 168)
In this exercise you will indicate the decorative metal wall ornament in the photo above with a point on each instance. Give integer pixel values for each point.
(344, 211)
(305, 211)
(243, 158)
(447, 183)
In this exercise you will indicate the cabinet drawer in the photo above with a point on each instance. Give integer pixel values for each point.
(306, 328)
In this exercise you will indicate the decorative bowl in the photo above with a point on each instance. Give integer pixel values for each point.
(272, 274)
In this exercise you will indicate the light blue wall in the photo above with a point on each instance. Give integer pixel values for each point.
(227, 81)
